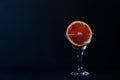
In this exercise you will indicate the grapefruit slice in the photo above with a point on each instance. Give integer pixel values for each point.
(79, 33)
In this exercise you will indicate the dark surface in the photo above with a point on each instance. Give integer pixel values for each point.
(57, 73)
(33, 45)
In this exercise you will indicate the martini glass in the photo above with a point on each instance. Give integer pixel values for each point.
(79, 51)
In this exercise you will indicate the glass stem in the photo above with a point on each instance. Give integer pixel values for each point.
(79, 60)
(80, 54)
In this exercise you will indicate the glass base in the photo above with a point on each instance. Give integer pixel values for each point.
(82, 73)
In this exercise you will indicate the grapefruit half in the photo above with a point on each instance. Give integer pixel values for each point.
(79, 33)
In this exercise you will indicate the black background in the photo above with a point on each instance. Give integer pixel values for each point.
(32, 34)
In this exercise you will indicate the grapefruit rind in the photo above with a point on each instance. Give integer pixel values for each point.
(71, 41)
